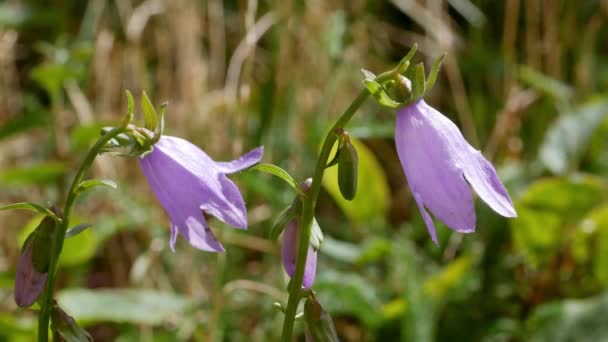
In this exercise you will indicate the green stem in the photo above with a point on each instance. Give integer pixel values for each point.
(308, 210)
(57, 244)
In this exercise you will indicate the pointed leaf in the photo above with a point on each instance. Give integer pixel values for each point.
(419, 81)
(77, 229)
(130, 107)
(279, 172)
(33, 207)
(433, 74)
(89, 183)
(380, 94)
(287, 215)
(150, 116)
(65, 325)
(368, 74)
(405, 62)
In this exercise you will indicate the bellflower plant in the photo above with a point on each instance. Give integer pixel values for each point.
(438, 162)
(29, 283)
(187, 182)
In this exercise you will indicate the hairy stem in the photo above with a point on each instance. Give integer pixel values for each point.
(308, 209)
(46, 303)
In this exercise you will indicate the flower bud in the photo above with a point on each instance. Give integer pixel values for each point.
(289, 254)
(319, 325)
(29, 283)
(348, 163)
(66, 327)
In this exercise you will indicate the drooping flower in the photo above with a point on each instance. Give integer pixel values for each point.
(29, 283)
(438, 162)
(187, 182)
(289, 253)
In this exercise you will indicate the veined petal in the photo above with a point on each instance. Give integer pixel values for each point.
(289, 253)
(247, 160)
(426, 153)
(483, 178)
(198, 233)
(225, 202)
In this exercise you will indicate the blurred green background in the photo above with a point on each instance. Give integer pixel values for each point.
(525, 80)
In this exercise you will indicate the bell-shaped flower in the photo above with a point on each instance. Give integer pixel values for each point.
(438, 162)
(29, 283)
(289, 254)
(187, 182)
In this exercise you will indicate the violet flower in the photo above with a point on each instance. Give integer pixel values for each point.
(29, 283)
(187, 182)
(438, 162)
(289, 253)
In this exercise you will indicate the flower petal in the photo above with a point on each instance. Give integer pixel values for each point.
(225, 202)
(289, 252)
(247, 160)
(430, 226)
(198, 233)
(425, 142)
(483, 178)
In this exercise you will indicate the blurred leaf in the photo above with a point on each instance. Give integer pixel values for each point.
(82, 137)
(334, 36)
(137, 306)
(89, 183)
(584, 320)
(65, 325)
(550, 86)
(371, 201)
(590, 242)
(51, 76)
(44, 173)
(33, 115)
(76, 250)
(438, 285)
(350, 294)
(567, 139)
(31, 206)
(540, 229)
(11, 325)
(77, 230)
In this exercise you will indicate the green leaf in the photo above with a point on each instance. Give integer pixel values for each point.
(550, 86)
(430, 83)
(33, 207)
(77, 229)
(285, 217)
(44, 173)
(568, 138)
(539, 231)
(76, 250)
(130, 107)
(89, 183)
(64, 325)
(372, 197)
(279, 172)
(137, 306)
(405, 61)
(349, 294)
(380, 94)
(42, 240)
(419, 82)
(368, 74)
(150, 116)
(319, 323)
(581, 320)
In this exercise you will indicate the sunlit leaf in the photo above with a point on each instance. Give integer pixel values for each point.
(567, 139)
(372, 197)
(139, 306)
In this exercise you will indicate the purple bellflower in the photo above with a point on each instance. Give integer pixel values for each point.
(187, 182)
(438, 162)
(289, 252)
(29, 283)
